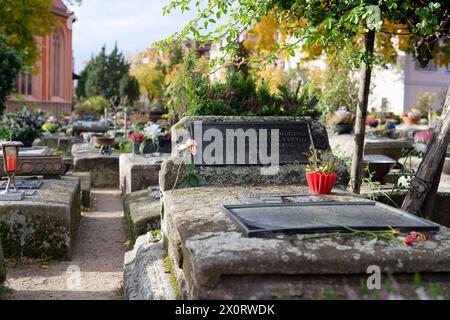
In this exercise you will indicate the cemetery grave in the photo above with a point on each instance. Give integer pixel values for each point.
(209, 248)
(46, 220)
(138, 172)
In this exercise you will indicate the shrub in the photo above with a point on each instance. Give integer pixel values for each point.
(50, 127)
(95, 104)
(192, 93)
(21, 126)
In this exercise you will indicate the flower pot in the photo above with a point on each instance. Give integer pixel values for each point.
(321, 183)
(409, 122)
(165, 145)
(149, 148)
(136, 147)
(421, 147)
(103, 141)
(343, 128)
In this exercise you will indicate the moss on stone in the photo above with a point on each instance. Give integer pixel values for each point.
(33, 237)
(173, 280)
(2, 266)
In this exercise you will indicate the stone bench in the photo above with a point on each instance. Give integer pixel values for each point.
(213, 260)
(45, 224)
(142, 210)
(138, 172)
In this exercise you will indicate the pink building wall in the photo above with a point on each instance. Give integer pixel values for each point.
(50, 74)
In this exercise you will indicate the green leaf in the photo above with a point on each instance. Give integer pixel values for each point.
(193, 180)
(372, 242)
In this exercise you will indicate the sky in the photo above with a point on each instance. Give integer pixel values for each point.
(134, 24)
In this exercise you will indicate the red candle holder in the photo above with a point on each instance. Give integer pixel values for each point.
(10, 159)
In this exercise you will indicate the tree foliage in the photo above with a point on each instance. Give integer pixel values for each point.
(321, 24)
(21, 21)
(150, 73)
(10, 65)
(103, 76)
(129, 89)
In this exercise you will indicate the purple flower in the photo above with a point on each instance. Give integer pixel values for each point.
(423, 137)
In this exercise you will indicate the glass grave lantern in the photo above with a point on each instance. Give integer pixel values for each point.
(10, 161)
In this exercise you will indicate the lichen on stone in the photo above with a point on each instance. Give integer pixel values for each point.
(32, 236)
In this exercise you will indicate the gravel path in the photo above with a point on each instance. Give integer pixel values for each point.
(98, 254)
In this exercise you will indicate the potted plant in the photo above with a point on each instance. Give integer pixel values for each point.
(343, 121)
(136, 138)
(321, 171)
(152, 136)
(373, 123)
(412, 117)
(421, 139)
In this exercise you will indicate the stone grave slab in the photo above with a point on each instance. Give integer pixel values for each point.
(45, 224)
(268, 219)
(294, 136)
(89, 126)
(104, 169)
(392, 148)
(213, 260)
(138, 172)
(142, 210)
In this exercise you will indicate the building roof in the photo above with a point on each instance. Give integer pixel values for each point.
(60, 9)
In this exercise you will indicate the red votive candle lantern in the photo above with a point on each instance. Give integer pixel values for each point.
(11, 164)
(10, 155)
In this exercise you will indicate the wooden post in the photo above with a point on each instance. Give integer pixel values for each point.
(361, 113)
(424, 185)
(125, 126)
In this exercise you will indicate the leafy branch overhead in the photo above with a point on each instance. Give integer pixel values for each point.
(328, 24)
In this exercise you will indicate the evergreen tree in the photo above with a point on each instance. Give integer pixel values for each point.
(80, 90)
(102, 76)
(97, 78)
(116, 69)
(129, 89)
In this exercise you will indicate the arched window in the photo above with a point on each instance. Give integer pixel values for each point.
(58, 63)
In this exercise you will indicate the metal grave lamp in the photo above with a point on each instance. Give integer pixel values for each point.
(10, 159)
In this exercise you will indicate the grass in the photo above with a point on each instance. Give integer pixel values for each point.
(4, 290)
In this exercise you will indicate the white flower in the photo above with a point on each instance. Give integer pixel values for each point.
(153, 132)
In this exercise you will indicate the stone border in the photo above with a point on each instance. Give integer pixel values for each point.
(145, 274)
